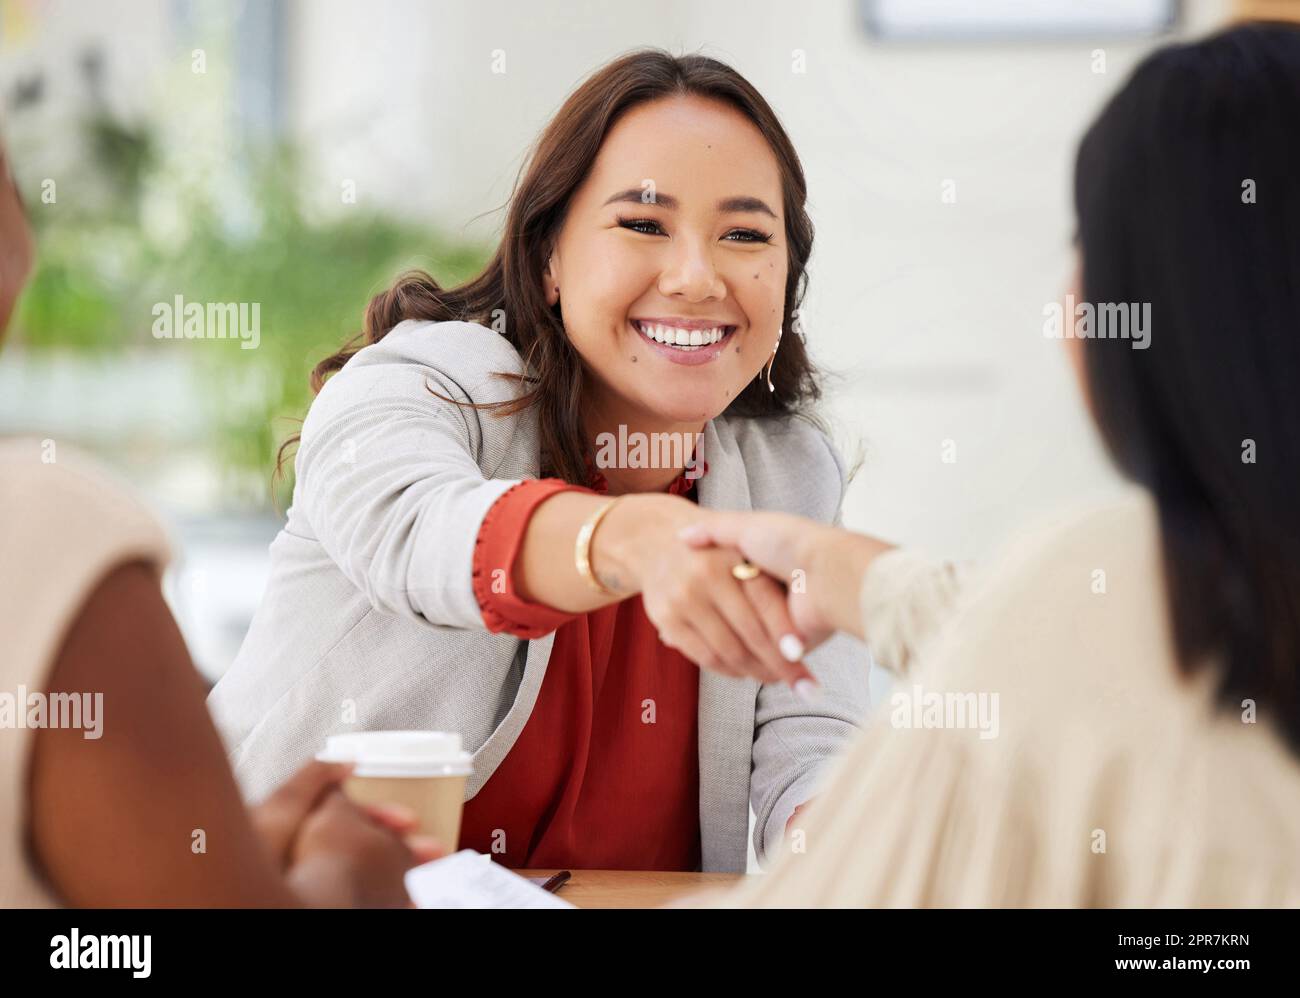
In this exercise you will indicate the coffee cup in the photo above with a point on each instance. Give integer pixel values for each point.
(422, 770)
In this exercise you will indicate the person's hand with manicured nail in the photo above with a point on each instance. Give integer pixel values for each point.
(719, 620)
(821, 567)
(737, 626)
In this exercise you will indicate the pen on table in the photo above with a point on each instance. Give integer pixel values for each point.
(556, 880)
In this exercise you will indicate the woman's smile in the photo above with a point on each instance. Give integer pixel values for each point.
(684, 341)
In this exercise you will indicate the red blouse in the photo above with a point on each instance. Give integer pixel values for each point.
(605, 774)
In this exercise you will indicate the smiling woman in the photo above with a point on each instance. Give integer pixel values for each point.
(462, 554)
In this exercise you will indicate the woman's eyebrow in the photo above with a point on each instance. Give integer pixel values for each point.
(745, 204)
(635, 195)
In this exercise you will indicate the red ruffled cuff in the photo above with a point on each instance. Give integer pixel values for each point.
(500, 537)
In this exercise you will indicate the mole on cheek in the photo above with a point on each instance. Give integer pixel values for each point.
(756, 277)
(634, 358)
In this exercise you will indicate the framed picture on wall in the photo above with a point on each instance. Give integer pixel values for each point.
(956, 20)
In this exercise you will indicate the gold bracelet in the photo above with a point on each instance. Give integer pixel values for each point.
(582, 549)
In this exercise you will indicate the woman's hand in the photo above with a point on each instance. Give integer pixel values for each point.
(343, 858)
(821, 567)
(732, 626)
(278, 818)
(335, 853)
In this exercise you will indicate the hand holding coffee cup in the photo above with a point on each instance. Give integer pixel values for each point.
(422, 771)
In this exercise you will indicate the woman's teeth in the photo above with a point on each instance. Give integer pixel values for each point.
(682, 339)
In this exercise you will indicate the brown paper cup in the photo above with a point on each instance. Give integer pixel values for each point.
(422, 770)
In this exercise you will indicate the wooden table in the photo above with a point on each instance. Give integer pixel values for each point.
(632, 888)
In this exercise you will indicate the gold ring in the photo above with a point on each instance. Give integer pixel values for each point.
(744, 571)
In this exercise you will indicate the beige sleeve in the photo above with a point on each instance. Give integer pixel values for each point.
(63, 526)
(904, 599)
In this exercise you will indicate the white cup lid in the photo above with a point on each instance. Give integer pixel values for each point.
(399, 753)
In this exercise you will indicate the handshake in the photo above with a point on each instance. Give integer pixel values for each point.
(746, 594)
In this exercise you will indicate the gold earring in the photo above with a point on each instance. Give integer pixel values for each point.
(772, 360)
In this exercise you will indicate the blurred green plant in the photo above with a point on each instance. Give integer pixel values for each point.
(98, 277)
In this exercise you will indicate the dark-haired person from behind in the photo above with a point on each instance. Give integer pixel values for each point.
(1111, 717)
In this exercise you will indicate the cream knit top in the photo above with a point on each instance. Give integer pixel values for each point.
(1076, 766)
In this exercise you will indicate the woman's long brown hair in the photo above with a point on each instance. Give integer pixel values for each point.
(508, 295)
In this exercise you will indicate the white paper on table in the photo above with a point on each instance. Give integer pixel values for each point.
(469, 879)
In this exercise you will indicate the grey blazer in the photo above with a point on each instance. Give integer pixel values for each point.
(370, 620)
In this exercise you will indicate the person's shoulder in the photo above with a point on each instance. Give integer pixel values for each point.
(1072, 620)
(791, 464)
(452, 346)
(462, 359)
(1113, 541)
(53, 492)
(65, 524)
